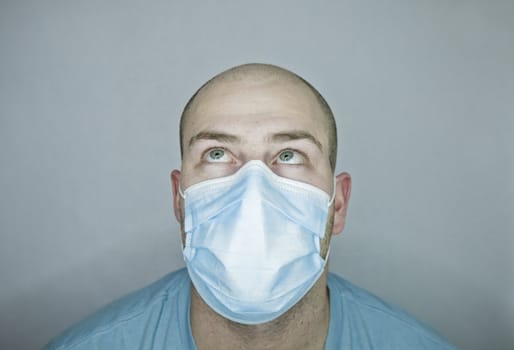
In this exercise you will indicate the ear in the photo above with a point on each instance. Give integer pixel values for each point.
(175, 183)
(341, 201)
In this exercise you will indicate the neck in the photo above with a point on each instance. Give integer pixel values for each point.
(304, 326)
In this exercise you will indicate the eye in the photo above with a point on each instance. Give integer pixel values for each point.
(217, 155)
(289, 156)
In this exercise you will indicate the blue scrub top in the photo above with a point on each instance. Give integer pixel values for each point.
(157, 317)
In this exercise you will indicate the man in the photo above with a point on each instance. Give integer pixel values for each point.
(257, 203)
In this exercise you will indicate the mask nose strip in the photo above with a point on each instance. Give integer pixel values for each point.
(257, 164)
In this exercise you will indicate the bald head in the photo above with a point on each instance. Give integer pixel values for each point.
(263, 74)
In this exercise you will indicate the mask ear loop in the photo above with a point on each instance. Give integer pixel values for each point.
(333, 192)
(183, 236)
(325, 261)
(182, 194)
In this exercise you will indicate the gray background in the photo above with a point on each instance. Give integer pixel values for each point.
(91, 92)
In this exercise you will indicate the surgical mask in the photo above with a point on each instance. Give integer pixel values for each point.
(252, 242)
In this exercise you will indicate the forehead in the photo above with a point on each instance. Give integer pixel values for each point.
(251, 107)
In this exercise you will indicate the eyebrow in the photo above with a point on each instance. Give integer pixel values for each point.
(216, 136)
(277, 137)
(296, 135)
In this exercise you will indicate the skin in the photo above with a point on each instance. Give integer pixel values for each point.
(265, 113)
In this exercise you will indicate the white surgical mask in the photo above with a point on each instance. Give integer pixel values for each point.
(252, 242)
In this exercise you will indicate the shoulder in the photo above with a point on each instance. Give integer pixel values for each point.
(383, 325)
(126, 319)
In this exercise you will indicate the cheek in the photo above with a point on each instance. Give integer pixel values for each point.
(320, 175)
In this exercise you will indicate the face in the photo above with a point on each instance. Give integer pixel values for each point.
(275, 121)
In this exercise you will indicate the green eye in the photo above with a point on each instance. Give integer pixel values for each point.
(289, 156)
(217, 155)
(286, 156)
